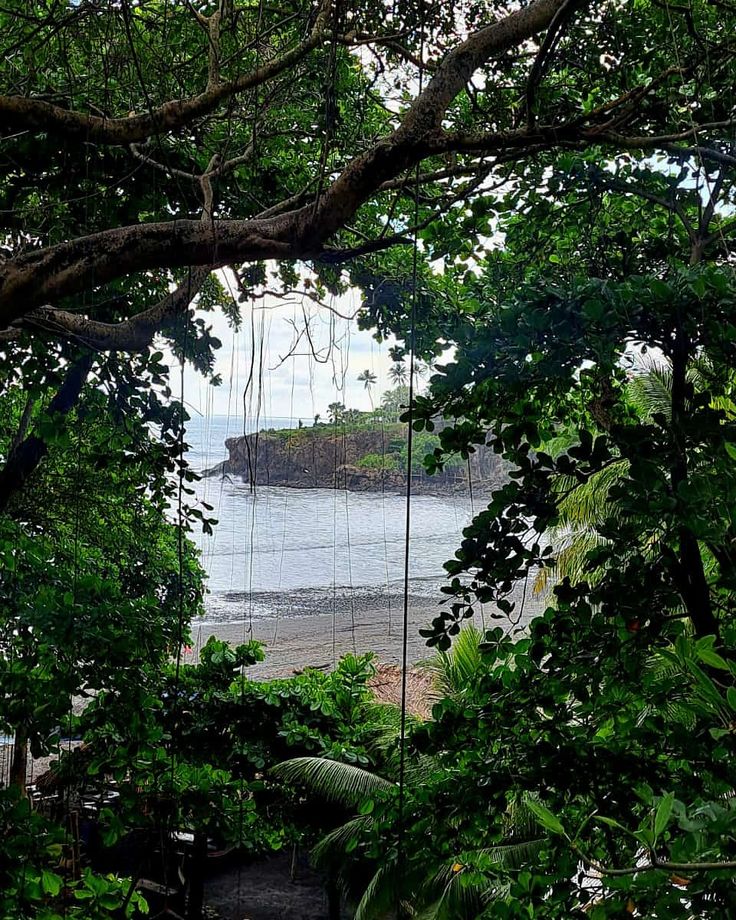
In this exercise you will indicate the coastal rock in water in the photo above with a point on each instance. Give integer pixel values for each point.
(321, 458)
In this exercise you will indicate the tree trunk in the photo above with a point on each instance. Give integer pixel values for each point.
(19, 763)
(333, 898)
(690, 574)
(197, 862)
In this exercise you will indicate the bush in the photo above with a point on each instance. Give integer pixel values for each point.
(379, 462)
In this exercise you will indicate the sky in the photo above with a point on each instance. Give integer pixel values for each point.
(297, 386)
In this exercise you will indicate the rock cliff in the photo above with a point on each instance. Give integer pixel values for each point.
(365, 459)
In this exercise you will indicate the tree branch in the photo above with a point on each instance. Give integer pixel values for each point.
(560, 20)
(22, 113)
(49, 274)
(134, 334)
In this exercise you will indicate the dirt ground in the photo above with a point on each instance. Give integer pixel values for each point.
(265, 891)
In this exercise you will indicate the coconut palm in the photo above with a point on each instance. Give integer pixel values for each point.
(394, 402)
(336, 412)
(368, 379)
(585, 506)
(455, 672)
(397, 373)
(446, 891)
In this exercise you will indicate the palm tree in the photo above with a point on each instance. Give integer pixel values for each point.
(368, 379)
(336, 412)
(455, 672)
(585, 506)
(442, 891)
(394, 401)
(397, 373)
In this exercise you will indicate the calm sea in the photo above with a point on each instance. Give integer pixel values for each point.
(292, 551)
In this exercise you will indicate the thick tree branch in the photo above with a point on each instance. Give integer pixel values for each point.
(22, 113)
(47, 275)
(134, 334)
(411, 142)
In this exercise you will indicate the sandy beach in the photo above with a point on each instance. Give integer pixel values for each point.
(320, 640)
(300, 634)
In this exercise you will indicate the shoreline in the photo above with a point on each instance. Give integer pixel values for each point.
(481, 489)
(357, 623)
(319, 640)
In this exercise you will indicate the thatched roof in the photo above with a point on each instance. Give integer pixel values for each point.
(420, 692)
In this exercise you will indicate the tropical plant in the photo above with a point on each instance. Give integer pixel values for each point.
(336, 412)
(379, 879)
(368, 379)
(607, 713)
(397, 373)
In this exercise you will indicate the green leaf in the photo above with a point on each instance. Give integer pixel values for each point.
(611, 823)
(51, 882)
(545, 817)
(704, 651)
(663, 813)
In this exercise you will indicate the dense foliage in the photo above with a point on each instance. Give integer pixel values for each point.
(565, 173)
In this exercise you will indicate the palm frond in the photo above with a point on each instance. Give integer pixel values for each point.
(338, 782)
(588, 504)
(332, 848)
(421, 769)
(452, 894)
(514, 854)
(381, 896)
(383, 727)
(650, 388)
(457, 669)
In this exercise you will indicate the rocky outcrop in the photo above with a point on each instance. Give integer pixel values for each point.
(320, 458)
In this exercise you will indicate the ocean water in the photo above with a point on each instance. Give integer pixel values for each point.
(302, 551)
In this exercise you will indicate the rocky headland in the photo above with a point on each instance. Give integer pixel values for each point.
(364, 459)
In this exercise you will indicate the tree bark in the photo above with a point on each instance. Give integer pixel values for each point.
(46, 275)
(692, 583)
(19, 763)
(131, 335)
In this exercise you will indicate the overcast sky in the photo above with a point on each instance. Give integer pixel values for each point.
(291, 387)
